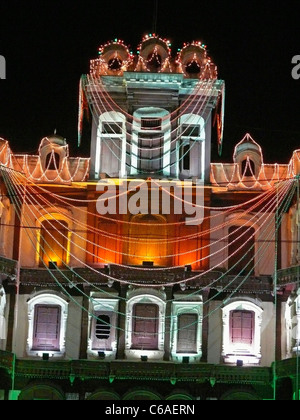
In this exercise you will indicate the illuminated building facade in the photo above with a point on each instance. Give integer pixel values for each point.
(145, 271)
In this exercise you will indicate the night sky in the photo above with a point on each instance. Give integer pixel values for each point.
(48, 45)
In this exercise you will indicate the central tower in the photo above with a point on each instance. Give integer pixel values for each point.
(152, 113)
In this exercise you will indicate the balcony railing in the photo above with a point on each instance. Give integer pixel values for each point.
(125, 370)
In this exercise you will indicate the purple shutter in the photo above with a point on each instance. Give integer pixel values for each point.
(242, 327)
(145, 327)
(46, 331)
(187, 333)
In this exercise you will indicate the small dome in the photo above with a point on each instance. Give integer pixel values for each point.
(248, 147)
(56, 139)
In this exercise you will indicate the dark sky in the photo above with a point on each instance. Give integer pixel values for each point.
(48, 45)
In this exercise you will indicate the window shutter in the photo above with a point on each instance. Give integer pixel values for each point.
(242, 327)
(102, 331)
(187, 333)
(46, 333)
(145, 327)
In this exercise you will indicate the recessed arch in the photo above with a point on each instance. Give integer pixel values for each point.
(41, 392)
(141, 394)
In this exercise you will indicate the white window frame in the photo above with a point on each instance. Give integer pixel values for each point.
(182, 308)
(47, 299)
(164, 132)
(103, 305)
(248, 354)
(112, 117)
(145, 297)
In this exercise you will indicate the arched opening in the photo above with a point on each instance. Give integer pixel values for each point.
(154, 61)
(193, 68)
(52, 161)
(41, 392)
(248, 168)
(141, 394)
(115, 64)
(53, 243)
(147, 240)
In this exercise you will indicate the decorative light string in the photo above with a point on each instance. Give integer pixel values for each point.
(214, 310)
(156, 285)
(86, 228)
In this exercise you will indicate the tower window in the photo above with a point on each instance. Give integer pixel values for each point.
(185, 157)
(190, 130)
(111, 128)
(151, 124)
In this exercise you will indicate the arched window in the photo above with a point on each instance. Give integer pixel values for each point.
(145, 324)
(46, 332)
(54, 243)
(242, 327)
(242, 332)
(47, 316)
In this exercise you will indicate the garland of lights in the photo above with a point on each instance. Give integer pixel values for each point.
(97, 101)
(85, 227)
(124, 254)
(206, 302)
(89, 267)
(228, 209)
